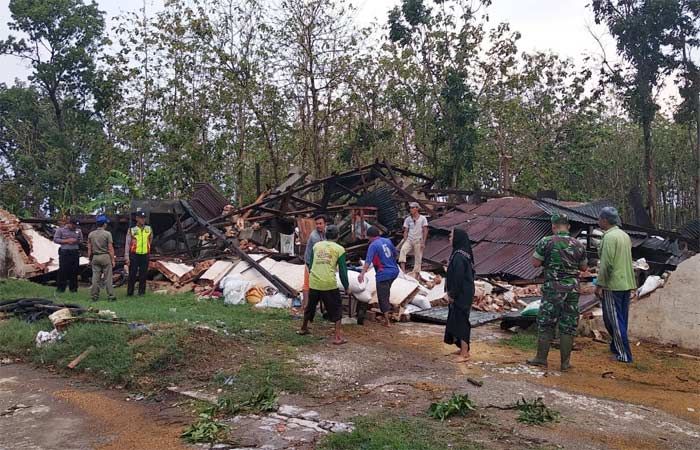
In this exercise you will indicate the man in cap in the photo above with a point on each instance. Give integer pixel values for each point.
(381, 253)
(615, 282)
(102, 259)
(563, 258)
(137, 251)
(69, 238)
(415, 234)
(326, 258)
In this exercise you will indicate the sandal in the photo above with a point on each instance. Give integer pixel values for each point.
(303, 332)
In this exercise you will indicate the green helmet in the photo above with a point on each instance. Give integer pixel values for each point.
(560, 219)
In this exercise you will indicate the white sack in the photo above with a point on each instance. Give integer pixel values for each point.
(235, 289)
(651, 284)
(274, 301)
(421, 301)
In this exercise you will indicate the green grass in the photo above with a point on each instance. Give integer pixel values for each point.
(522, 341)
(266, 374)
(398, 433)
(111, 360)
(17, 337)
(121, 354)
(242, 320)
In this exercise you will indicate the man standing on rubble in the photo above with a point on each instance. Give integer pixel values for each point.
(136, 254)
(415, 234)
(318, 235)
(326, 257)
(563, 258)
(615, 282)
(69, 238)
(382, 255)
(101, 255)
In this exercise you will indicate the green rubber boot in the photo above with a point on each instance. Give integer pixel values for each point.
(543, 342)
(566, 345)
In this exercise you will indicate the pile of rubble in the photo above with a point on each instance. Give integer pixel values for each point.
(251, 253)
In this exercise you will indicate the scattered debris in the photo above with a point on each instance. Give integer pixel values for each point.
(476, 383)
(203, 396)
(34, 309)
(44, 338)
(12, 409)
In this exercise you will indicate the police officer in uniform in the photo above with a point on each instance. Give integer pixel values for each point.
(138, 249)
(562, 257)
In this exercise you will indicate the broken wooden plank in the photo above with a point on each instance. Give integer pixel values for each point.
(73, 364)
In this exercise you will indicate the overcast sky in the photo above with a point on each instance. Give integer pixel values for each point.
(556, 25)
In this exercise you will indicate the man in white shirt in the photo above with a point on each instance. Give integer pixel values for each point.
(415, 234)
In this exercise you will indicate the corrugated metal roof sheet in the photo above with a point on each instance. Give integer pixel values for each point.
(207, 201)
(503, 231)
(491, 258)
(586, 213)
(691, 230)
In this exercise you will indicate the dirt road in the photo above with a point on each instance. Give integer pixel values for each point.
(654, 404)
(40, 411)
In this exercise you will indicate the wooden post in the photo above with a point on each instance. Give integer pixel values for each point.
(257, 179)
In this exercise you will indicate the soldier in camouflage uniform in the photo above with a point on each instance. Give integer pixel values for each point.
(562, 258)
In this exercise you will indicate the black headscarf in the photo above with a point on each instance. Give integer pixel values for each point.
(461, 243)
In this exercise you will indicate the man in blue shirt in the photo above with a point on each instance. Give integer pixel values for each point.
(382, 255)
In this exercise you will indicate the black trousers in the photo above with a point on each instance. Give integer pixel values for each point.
(68, 265)
(137, 264)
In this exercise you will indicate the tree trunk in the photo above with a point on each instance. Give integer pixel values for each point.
(650, 170)
(697, 158)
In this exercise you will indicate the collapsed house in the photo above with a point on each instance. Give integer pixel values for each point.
(203, 241)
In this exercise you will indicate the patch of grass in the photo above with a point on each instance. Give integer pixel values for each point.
(111, 360)
(17, 337)
(459, 404)
(160, 352)
(243, 321)
(280, 375)
(121, 355)
(535, 412)
(521, 341)
(395, 433)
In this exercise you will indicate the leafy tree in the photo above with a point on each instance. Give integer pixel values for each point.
(433, 53)
(642, 28)
(63, 39)
(687, 39)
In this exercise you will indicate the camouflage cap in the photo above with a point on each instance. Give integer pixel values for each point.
(560, 219)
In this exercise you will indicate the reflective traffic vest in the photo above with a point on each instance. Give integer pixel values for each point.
(140, 240)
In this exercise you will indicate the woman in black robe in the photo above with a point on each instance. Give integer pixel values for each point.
(460, 289)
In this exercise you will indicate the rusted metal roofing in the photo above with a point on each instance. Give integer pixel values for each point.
(503, 231)
(491, 258)
(207, 201)
(583, 213)
(498, 208)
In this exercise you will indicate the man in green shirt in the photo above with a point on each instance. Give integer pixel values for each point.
(327, 256)
(615, 282)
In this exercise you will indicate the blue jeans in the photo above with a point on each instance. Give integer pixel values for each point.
(616, 307)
